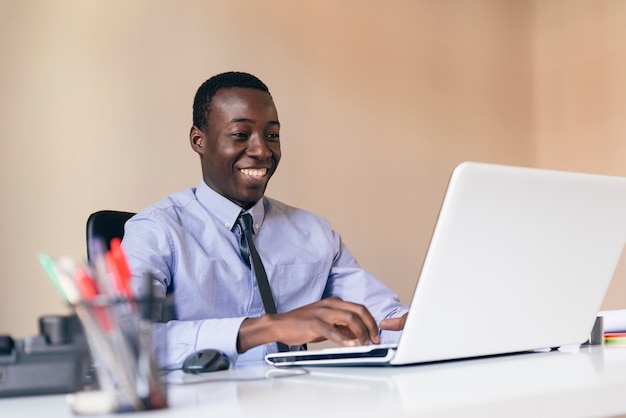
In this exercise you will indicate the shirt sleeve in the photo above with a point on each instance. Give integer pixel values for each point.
(175, 340)
(149, 248)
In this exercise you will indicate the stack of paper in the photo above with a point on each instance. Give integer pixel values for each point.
(614, 326)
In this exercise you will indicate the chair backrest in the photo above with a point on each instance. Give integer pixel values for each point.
(106, 224)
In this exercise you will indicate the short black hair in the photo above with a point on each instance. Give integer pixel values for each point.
(205, 93)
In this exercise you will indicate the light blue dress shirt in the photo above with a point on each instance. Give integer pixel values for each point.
(188, 242)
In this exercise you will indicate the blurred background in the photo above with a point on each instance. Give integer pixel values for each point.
(378, 101)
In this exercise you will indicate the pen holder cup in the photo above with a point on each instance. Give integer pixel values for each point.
(119, 334)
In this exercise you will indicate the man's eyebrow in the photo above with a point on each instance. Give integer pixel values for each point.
(248, 120)
(241, 120)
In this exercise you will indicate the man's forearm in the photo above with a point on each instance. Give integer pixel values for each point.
(254, 332)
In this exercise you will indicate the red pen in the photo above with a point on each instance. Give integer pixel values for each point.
(88, 290)
(118, 267)
(85, 284)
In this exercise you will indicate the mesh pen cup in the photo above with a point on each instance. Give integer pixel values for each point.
(119, 334)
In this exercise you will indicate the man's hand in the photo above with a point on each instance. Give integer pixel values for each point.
(344, 323)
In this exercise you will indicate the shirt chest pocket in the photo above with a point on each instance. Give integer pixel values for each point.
(298, 284)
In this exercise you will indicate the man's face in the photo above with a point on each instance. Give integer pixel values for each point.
(240, 146)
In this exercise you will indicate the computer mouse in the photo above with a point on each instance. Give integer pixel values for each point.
(204, 361)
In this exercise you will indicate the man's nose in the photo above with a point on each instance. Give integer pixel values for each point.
(257, 147)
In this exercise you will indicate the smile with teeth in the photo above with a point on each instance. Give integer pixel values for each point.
(256, 173)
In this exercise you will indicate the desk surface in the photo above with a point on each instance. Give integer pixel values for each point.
(587, 382)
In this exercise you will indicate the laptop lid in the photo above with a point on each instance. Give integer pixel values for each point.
(520, 259)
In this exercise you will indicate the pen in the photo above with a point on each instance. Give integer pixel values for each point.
(49, 268)
(88, 290)
(97, 260)
(85, 284)
(118, 268)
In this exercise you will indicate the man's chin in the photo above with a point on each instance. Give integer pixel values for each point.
(248, 200)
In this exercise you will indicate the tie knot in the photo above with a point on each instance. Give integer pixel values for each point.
(245, 222)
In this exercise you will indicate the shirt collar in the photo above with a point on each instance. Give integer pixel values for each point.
(225, 211)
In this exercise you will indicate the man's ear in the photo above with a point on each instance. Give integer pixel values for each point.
(197, 140)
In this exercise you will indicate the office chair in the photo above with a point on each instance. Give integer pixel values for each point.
(109, 224)
(106, 224)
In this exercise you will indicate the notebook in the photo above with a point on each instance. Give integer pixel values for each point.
(520, 260)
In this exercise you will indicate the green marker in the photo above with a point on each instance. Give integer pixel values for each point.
(48, 265)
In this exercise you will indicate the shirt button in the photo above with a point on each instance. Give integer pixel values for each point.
(227, 225)
(256, 226)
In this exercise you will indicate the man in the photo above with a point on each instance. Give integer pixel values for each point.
(190, 243)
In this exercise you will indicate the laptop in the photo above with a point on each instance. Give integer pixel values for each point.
(520, 260)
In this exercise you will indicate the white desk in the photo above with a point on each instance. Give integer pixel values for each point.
(590, 382)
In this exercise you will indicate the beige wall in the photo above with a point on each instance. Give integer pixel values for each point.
(378, 100)
(579, 84)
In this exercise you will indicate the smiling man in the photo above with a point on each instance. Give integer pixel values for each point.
(238, 140)
(191, 243)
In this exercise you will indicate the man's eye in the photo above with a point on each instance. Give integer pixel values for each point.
(274, 137)
(239, 135)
